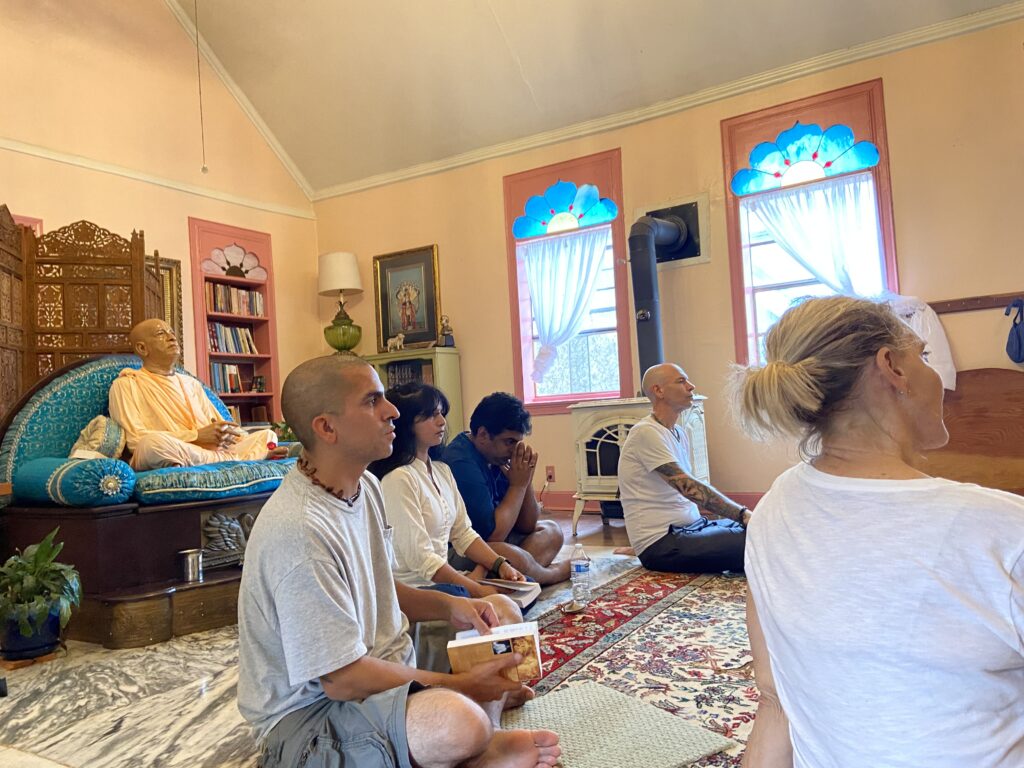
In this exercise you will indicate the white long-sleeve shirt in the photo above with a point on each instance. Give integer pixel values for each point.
(426, 513)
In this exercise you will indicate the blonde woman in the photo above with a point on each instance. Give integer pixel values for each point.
(886, 607)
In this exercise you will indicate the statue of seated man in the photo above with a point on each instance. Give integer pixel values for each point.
(167, 418)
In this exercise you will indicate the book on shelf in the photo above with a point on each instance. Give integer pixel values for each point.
(233, 339)
(227, 299)
(470, 648)
(226, 378)
(404, 371)
(235, 415)
(522, 593)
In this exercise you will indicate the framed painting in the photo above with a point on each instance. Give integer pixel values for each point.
(170, 277)
(408, 296)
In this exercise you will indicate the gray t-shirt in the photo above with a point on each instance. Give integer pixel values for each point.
(649, 504)
(317, 594)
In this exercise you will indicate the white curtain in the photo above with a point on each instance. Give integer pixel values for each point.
(831, 229)
(561, 273)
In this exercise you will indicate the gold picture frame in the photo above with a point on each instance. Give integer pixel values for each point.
(170, 280)
(407, 296)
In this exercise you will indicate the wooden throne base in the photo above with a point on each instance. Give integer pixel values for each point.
(153, 613)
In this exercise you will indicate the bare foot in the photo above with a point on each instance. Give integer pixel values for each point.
(519, 749)
(520, 697)
(560, 570)
(478, 573)
(277, 453)
(624, 551)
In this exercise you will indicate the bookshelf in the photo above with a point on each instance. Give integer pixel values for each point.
(435, 365)
(236, 333)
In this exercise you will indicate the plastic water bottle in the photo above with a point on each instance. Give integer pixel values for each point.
(580, 565)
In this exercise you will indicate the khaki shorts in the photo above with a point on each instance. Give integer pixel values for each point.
(342, 734)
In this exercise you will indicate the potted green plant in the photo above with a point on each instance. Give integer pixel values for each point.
(36, 596)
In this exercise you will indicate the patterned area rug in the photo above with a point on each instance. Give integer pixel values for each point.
(677, 641)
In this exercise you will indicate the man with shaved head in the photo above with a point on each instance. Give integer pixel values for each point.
(326, 673)
(661, 500)
(166, 416)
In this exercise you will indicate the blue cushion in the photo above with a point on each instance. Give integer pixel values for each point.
(210, 481)
(50, 421)
(74, 482)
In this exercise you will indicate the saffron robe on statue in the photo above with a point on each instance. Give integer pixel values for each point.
(161, 417)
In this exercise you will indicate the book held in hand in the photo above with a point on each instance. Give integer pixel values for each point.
(522, 593)
(470, 648)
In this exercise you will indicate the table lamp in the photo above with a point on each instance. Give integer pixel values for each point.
(338, 274)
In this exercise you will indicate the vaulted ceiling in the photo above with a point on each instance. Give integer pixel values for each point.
(355, 93)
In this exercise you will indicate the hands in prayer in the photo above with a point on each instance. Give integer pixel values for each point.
(521, 466)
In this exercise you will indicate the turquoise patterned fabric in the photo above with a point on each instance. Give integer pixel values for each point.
(50, 422)
(74, 482)
(210, 481)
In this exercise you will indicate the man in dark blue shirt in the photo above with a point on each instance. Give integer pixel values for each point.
(494, 469)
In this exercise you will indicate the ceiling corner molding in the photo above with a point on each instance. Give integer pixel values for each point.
(243, 101)
(34, 150)
(974, 22)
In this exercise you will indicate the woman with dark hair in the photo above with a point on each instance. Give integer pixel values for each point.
(886, 607)
(425, 509)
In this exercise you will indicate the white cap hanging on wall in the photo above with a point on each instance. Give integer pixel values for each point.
(338, 274)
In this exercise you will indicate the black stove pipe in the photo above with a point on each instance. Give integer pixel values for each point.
(646, 234)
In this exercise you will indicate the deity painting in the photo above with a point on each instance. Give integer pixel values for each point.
(405, 292)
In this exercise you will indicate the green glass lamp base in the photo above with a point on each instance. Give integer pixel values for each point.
(343, 336)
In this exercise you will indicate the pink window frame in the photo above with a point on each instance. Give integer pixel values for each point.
(860, 106)
(605, 170)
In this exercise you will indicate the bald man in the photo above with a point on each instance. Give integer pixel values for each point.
(661, 500)
(325, 673)
(167, 418)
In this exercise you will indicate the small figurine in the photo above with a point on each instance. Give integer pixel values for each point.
(396, 343)
(445, 337)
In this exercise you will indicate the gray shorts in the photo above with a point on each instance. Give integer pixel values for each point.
(463, 563)
(342, 734)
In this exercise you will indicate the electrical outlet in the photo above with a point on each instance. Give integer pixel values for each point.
(549, 473)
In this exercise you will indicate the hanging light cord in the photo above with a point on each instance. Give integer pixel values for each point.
(199, 77)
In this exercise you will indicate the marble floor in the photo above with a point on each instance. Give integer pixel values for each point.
(171, 704)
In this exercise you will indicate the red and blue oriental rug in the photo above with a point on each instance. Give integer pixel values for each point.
(676, 641)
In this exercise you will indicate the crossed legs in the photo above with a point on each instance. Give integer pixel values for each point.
(534, 554)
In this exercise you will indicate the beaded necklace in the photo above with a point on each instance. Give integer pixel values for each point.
(310, 471)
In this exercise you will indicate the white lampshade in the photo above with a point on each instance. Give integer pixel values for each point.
(338, 271)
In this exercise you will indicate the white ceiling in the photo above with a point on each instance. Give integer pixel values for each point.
(357, 90)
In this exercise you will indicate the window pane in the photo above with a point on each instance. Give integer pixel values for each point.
(771, 265)
(769, 305)
(587, 363)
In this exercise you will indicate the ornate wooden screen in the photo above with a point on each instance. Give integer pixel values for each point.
(12, 314)
(87, 287)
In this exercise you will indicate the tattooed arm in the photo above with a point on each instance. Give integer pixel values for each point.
(704, 496)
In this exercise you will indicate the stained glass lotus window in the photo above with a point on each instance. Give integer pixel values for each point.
(803, 153)
(234, 261)
(563, 207)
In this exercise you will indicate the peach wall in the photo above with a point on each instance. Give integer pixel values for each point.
(116, 84)
(954, 111)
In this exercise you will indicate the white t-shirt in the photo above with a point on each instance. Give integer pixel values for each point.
(893, 612)
(649, 504)
(317, 594)
(425, 514)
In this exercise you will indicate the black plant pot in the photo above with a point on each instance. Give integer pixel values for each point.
(14, 645)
